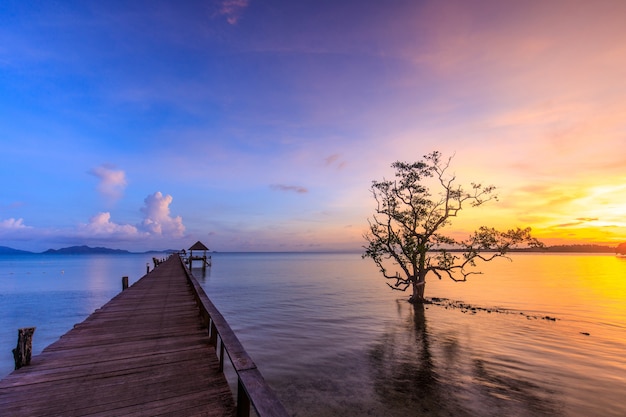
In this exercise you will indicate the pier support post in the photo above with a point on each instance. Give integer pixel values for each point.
(23, 352)
(124, 283)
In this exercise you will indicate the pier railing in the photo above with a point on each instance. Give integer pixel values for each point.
(251, 386)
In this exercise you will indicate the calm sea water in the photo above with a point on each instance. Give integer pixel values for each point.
(54, 292)
(333, 339)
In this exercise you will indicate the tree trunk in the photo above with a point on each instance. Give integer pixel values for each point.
(418, 291)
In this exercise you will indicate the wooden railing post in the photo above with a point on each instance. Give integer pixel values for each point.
(221, 356)
(23, 351)
(243, 402)
(213, 334)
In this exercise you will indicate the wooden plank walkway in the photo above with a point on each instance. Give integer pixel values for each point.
(145, 353)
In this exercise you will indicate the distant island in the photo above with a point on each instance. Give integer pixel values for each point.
(571, 249)
(80, 250)
(4, 250)
(75, 250)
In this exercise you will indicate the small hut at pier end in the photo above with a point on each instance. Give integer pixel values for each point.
(199, 247)
(621, 250)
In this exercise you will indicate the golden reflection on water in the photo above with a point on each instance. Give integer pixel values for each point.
(584, 286)
(605, 277)
(587, 296)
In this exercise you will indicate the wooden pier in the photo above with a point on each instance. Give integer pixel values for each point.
(156, 349)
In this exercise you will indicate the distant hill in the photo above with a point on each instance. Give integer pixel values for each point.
(571, 249)
(4, 250)
(85, 250)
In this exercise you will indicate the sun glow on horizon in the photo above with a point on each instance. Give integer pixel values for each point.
(595, 214)
(590, 211)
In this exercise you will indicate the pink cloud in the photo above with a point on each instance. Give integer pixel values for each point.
(333, 160)
(157, 219)
(13, 224)
(232, 9)
(101, 225)
(295, 188)
(112, 181)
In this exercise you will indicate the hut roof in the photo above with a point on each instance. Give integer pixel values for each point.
(198, 246)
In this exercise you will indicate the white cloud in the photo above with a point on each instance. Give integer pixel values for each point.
(112, 181)
(101, 225)
(157, 218)
(13, 224)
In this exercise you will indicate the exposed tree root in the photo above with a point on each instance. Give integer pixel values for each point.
(472, 309)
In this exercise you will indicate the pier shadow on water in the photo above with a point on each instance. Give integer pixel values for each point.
(433, 373)
(201, 274)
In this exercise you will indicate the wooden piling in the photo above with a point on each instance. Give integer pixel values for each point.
(24, 349)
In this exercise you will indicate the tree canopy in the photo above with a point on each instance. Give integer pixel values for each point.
(406, 230)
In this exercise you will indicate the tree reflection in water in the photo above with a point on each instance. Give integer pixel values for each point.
(416, 373)
(405, 377)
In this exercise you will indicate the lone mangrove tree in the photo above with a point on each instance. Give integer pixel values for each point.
(405, 233)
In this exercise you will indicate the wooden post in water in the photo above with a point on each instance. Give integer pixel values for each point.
(124, 283)
(23, 352)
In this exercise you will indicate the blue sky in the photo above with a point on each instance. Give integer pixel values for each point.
(259, 126)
